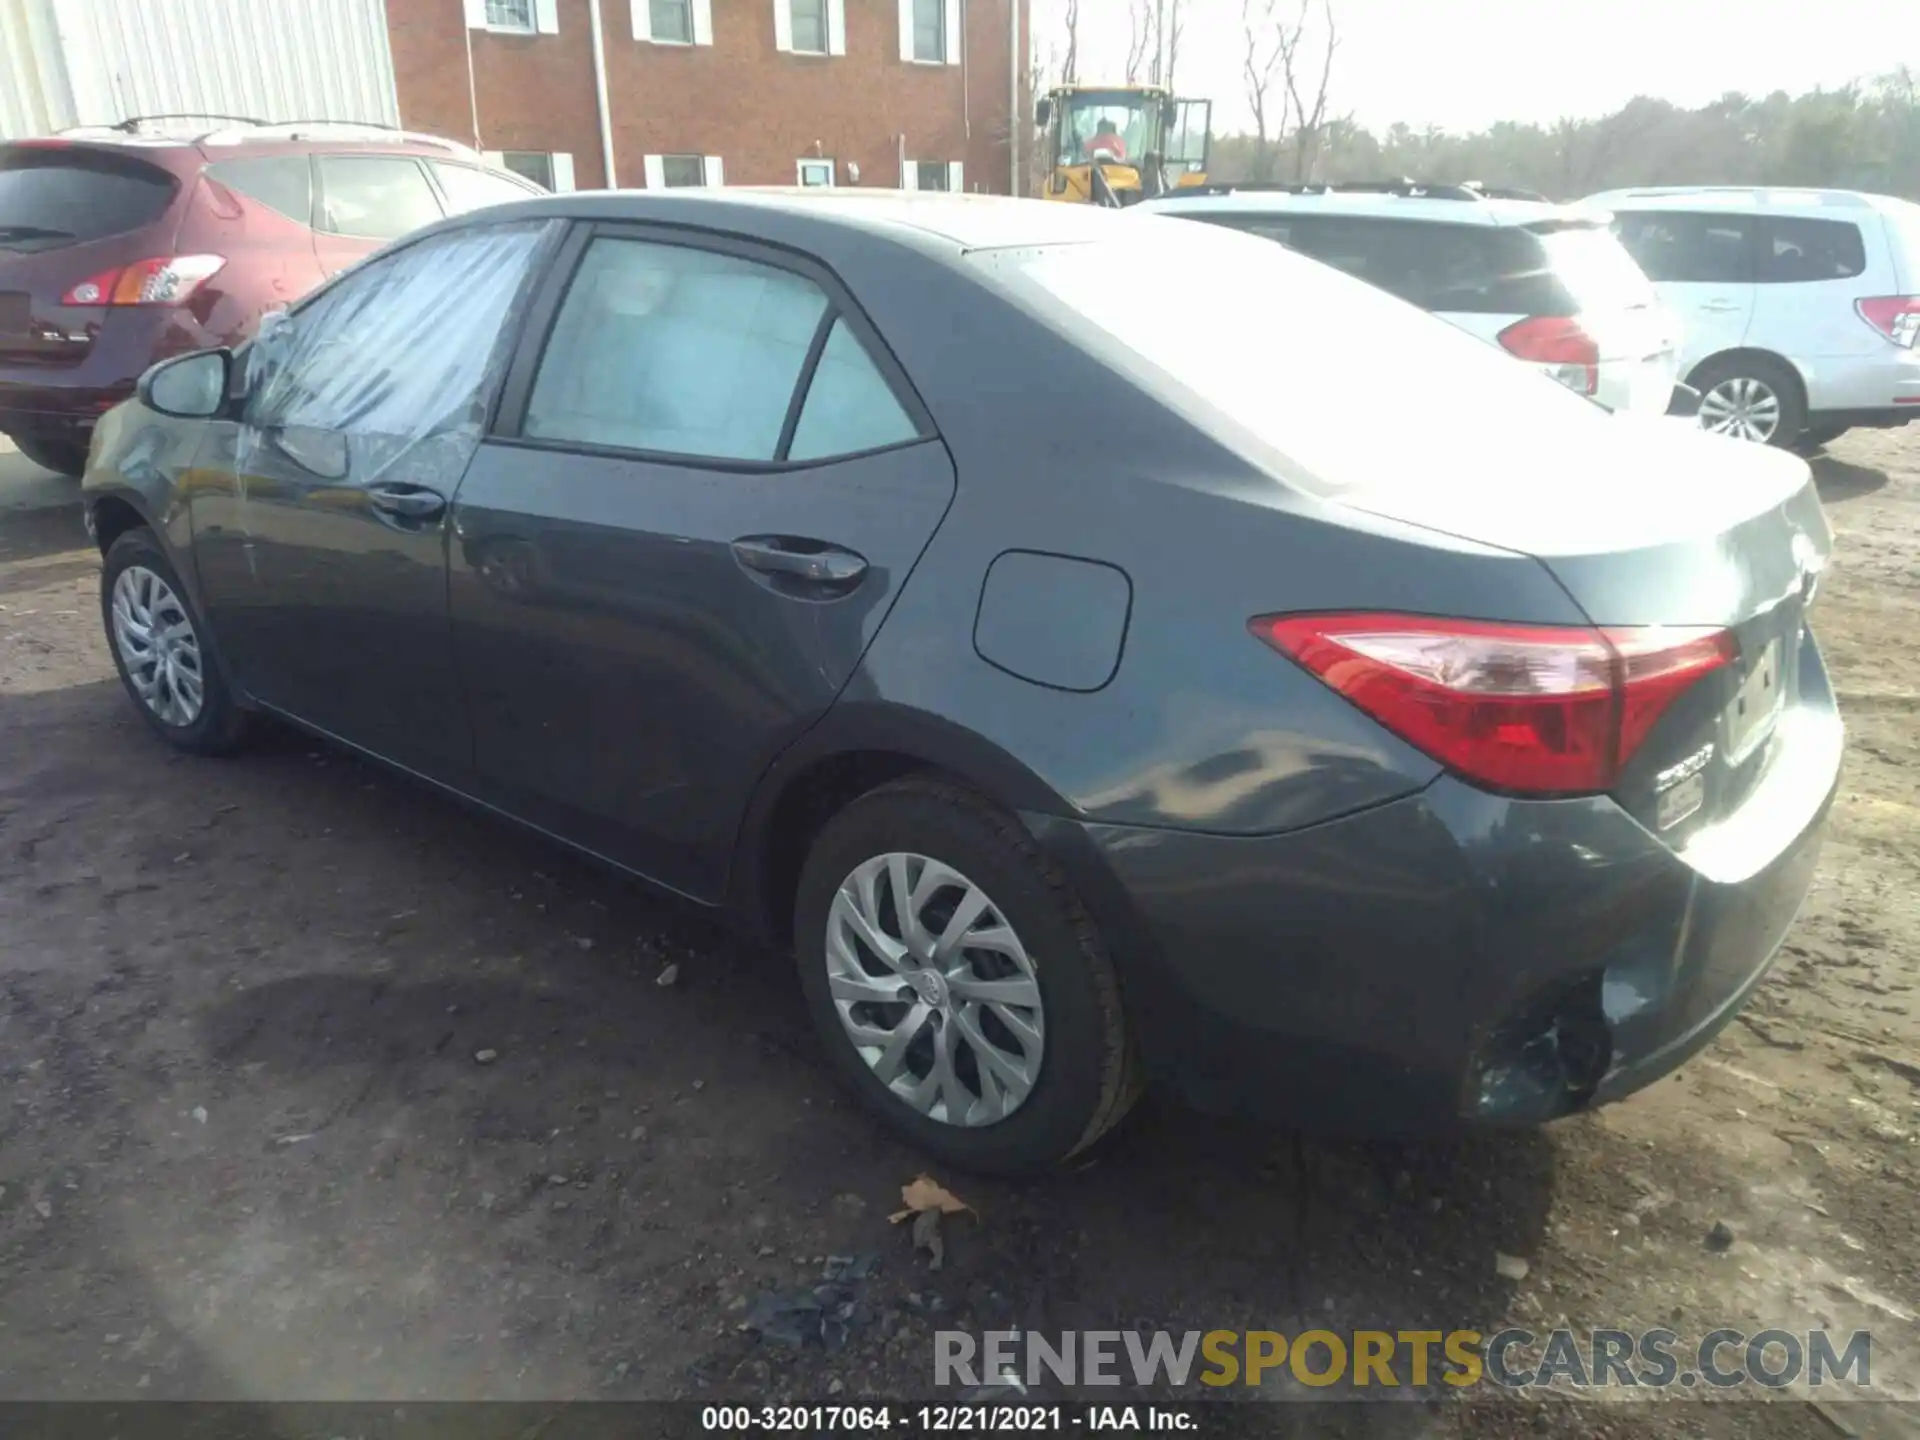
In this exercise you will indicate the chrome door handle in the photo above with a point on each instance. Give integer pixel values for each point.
(810, 560)
(407, 502)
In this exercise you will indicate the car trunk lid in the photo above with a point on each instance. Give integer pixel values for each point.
(1653, 525)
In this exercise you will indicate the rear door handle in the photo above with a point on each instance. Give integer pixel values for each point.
(407, 502)
(1721, 306)
(812, 561)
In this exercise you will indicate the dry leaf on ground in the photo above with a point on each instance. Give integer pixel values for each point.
(923, 1192)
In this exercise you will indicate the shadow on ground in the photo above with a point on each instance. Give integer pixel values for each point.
(1839, 479)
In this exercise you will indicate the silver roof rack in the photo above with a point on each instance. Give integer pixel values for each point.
(239, 129)
(333, 130)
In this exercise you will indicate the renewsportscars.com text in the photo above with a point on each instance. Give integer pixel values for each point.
(1389, 1359)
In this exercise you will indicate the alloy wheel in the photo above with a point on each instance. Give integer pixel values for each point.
(1742, 407)
(158, 646)
(934, 989)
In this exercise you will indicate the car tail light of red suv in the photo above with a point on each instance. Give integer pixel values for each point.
(168, 280)
(1523, 709)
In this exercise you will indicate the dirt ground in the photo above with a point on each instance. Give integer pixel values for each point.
(317, 1086)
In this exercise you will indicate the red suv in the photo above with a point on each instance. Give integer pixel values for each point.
(120, 247)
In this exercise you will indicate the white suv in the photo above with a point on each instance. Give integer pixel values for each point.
(1801, 307)
(1547, 283)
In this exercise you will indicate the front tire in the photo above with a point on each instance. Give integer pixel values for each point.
(958, 984)
(1751, 397)
(160, 648)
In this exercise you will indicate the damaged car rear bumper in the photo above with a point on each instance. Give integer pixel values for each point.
(1451, 958)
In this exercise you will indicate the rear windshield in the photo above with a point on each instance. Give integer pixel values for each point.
(1328, 373)
(1465, 269)
(66, 195)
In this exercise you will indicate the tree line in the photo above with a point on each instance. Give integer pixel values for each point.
(1861, 137)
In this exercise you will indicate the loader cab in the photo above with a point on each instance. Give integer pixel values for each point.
(1116, 145)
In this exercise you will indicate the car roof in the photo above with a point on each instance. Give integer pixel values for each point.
(951, 221)
(1782, 199)
(1377, 206)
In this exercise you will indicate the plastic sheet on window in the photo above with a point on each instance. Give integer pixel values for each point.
(385, 375)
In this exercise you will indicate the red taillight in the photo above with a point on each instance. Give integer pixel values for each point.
(1559, 344)
(1533, 709)
(1895, 316)
(169, 280)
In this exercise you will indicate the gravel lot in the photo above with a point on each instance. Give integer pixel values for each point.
(318, 1087)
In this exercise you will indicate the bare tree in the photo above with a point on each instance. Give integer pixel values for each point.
(1142, 40)
(1070, 67)
(1172, 25)
(1266, 41)
(1308, 105)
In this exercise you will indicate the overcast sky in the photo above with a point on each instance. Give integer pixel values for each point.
(1462, 64)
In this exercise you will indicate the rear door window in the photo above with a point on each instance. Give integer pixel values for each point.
(65, 195)
(1679, 248)
(280, 182)
(469, 189)
(375, 197)
(673, 350)
(850, 407)
(1796, 250)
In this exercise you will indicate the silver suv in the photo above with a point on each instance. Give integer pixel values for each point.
(1801, 307)
(1546, 283)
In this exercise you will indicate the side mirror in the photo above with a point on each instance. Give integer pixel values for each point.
(1685, 402)
(189, 387)
(1043, 111)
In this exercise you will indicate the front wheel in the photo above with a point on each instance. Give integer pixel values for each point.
(959, 986)
(160, 649)
(1750, 397)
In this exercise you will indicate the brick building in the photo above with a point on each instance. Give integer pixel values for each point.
(914, 94)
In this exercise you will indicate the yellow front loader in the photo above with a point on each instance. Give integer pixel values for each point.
(1115, 144)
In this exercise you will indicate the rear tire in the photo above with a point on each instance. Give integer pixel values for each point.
(161, 649)
(934, 1056)
(1751, 397)
(66, 457)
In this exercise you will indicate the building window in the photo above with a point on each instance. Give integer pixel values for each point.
(672, 21)
(809, 25)
(533, 165)
(672, 172)
(932, 175)
(816, 172)
(930, 30)
(510, 15)
(679, 170)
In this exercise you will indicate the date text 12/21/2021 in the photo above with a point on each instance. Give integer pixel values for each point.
(945, 1419)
